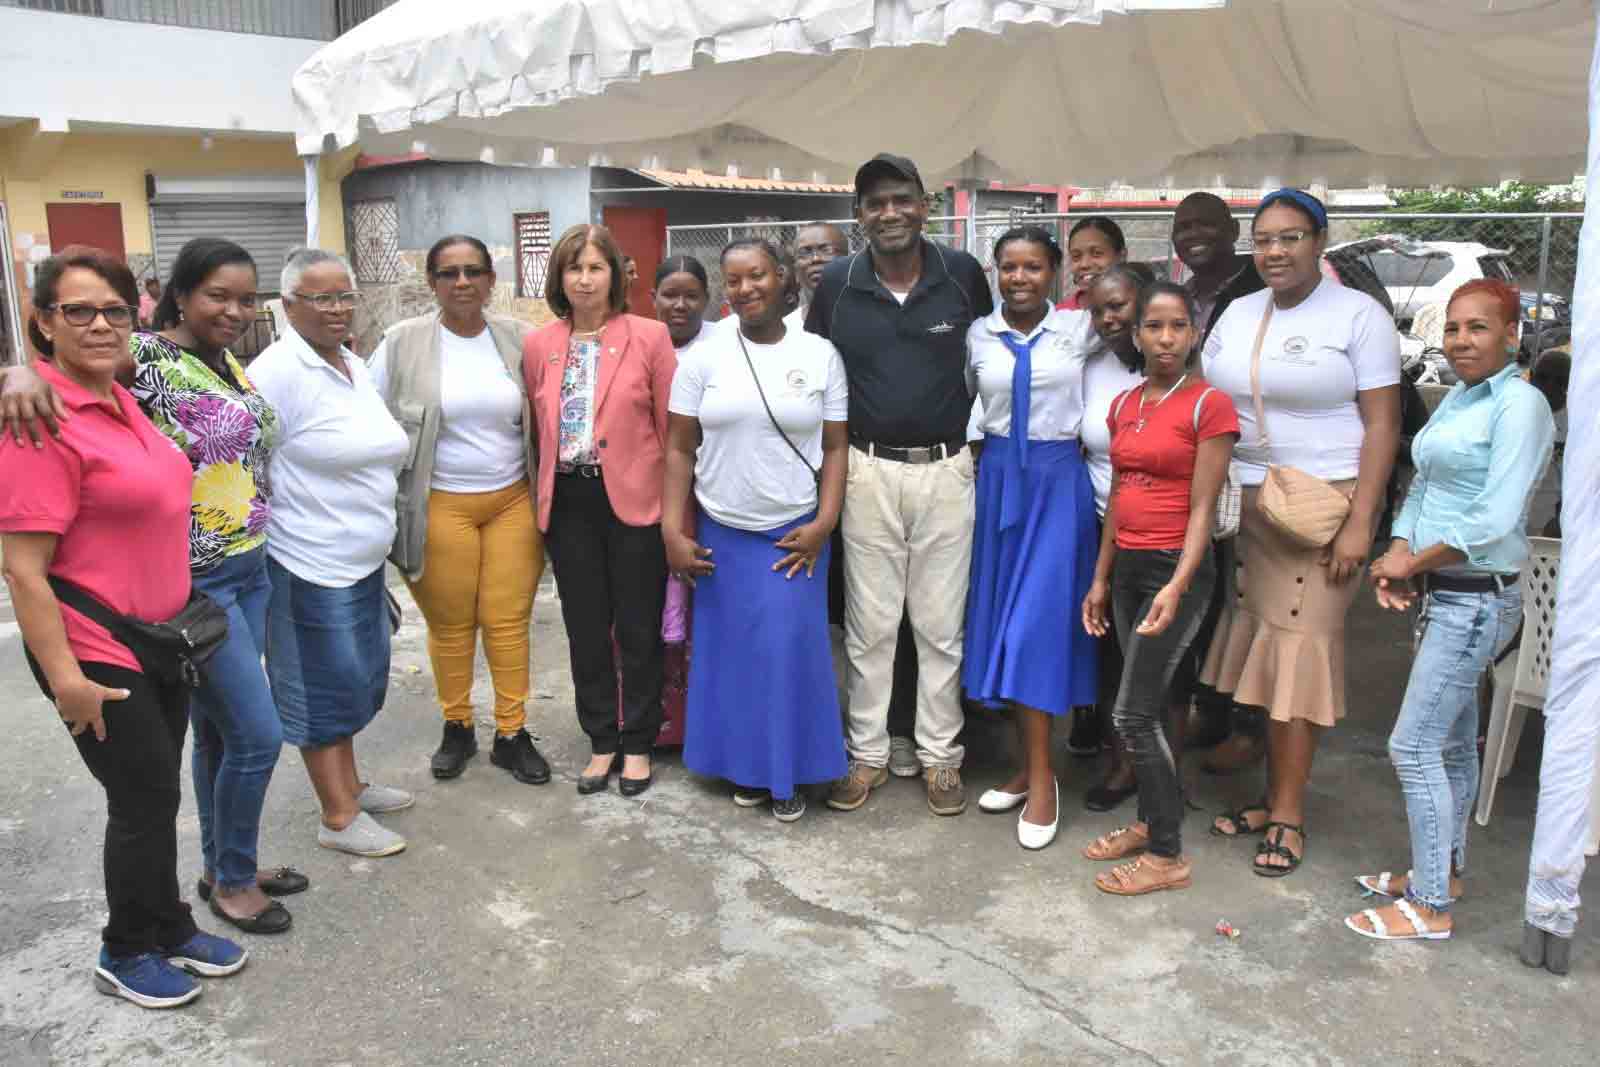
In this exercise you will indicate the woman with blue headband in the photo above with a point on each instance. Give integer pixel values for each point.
(1313, 369)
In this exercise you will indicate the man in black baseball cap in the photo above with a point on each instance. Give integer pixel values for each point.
(898, 312)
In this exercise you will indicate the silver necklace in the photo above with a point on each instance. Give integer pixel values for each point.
(1138, 427)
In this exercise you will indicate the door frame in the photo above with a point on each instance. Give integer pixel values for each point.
(19, 340)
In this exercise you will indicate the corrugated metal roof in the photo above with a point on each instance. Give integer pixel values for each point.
(695, 179)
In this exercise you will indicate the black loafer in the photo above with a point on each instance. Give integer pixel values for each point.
(283, 882)
(592, 783)
(272, 919)
(632, 787)
(1101, 798)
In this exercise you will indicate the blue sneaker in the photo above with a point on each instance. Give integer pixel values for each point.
(146, 979)
(208, 955)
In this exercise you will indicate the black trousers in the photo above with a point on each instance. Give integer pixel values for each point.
(612, 578)
(1149, 665)
(138, 765)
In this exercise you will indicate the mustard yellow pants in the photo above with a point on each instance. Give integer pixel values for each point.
(480, 567)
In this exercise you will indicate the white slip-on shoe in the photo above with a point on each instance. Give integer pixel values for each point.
(382, 799)
(994, 801)
(363, 837)
(1035, 837)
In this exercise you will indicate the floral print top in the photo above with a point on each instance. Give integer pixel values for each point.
(227, 430)
(578, 374)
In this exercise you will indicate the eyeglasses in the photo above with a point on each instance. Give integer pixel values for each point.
(809, 252)
(1288, 239)
(330, 301)
(451, 274)
(116, 315)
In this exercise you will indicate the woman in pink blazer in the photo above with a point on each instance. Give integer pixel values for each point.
(599, 380)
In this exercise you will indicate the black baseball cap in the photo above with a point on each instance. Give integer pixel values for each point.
(887, 165)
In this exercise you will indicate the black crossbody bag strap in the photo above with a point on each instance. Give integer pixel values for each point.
(816, 475)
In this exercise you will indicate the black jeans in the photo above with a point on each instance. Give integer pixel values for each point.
(1149, 665)
(138, 765)
(612, 578)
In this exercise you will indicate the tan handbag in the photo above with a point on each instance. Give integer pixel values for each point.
(1302, 507)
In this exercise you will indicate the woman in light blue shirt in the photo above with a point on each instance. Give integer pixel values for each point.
(1459, 544)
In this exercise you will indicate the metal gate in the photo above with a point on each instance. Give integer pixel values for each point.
(533, 251)
(268, 230)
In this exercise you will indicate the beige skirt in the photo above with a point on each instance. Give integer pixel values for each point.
(1280, 642)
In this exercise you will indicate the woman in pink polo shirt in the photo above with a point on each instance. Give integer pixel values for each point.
(105, 506)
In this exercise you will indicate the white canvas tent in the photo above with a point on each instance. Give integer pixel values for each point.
(1090, 91)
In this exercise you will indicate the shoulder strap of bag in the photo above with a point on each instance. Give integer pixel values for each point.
(1255, 381)
(90, 606)
(816, 475)
(1116, 405)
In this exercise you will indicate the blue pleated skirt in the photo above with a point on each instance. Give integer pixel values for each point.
(1025, 642)
(763, 706)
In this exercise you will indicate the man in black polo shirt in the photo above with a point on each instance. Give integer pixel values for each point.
(898, 313)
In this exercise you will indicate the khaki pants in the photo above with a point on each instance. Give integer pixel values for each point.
(481, 566)
(908, 548)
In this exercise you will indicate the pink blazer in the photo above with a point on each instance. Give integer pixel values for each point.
(637, 362)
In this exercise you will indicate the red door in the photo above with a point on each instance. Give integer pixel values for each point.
(641, 232)
(98, 225)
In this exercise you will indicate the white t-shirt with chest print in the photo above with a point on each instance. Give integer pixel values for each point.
(745, 476)
(1315, 358)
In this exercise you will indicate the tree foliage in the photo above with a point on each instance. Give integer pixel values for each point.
(1520, 237)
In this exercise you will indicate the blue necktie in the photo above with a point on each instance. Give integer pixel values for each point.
(1021, 397)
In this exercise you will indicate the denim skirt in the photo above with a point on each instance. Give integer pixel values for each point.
(327, 655)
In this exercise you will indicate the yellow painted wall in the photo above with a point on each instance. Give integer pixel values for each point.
(116, 164)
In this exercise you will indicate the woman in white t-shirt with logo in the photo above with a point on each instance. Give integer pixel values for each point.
(1329, 373)
(758, 432)
(468, 545)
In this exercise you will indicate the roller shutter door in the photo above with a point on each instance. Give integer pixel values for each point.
(268, 230)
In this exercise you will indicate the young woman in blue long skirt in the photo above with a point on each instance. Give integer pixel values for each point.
(1033, 546)
(757, 433)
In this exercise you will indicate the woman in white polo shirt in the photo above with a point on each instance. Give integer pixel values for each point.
(1329, 373)
(333, 480)
(758, 430)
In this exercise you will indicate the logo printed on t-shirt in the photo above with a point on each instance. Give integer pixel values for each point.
(796, 380)
(1294, 351)
(940, 327)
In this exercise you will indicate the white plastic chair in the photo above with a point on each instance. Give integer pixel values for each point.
(1521, 680)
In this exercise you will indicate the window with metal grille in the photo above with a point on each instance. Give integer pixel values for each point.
(533, 251)
(374, 234)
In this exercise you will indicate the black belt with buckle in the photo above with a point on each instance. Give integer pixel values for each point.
(925, 454)
(1474, 583)
(579, 470)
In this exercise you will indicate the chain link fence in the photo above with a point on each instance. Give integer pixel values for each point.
(1411, 262)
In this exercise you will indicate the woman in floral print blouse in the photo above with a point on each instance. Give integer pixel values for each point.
(189, 384)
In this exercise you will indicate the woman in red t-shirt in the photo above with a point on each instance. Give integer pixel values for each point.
(1171, 439)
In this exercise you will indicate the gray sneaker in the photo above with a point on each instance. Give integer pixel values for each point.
(363, 837)
(381, 799)
(903, 762)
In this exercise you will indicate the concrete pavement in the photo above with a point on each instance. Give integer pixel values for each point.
(528, 923)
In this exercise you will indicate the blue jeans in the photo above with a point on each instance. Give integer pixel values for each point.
(1434, 746)
(237, 732)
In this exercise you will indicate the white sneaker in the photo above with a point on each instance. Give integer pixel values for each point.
(381, 799)
(1035, 837)
(903, 762)
(363, 837)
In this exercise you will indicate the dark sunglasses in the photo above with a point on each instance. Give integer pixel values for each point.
(116, 315)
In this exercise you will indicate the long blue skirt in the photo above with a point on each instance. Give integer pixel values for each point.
(763, 707)
(1025, 641)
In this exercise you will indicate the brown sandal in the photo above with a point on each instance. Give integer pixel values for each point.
(1138, 878)
(1123, 841)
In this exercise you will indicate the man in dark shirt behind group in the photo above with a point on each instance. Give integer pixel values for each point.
(898, 312)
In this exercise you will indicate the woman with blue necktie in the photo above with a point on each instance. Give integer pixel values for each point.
(1034, 545)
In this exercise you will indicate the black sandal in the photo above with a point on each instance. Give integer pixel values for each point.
(272, 919)
(1269, 847)
(1241, 825)
(283, 882)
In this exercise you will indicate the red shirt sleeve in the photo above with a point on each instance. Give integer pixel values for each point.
(1217, 416)
(38, 486)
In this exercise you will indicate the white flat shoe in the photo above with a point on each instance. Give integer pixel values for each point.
(1034, 837)
(994, 801)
